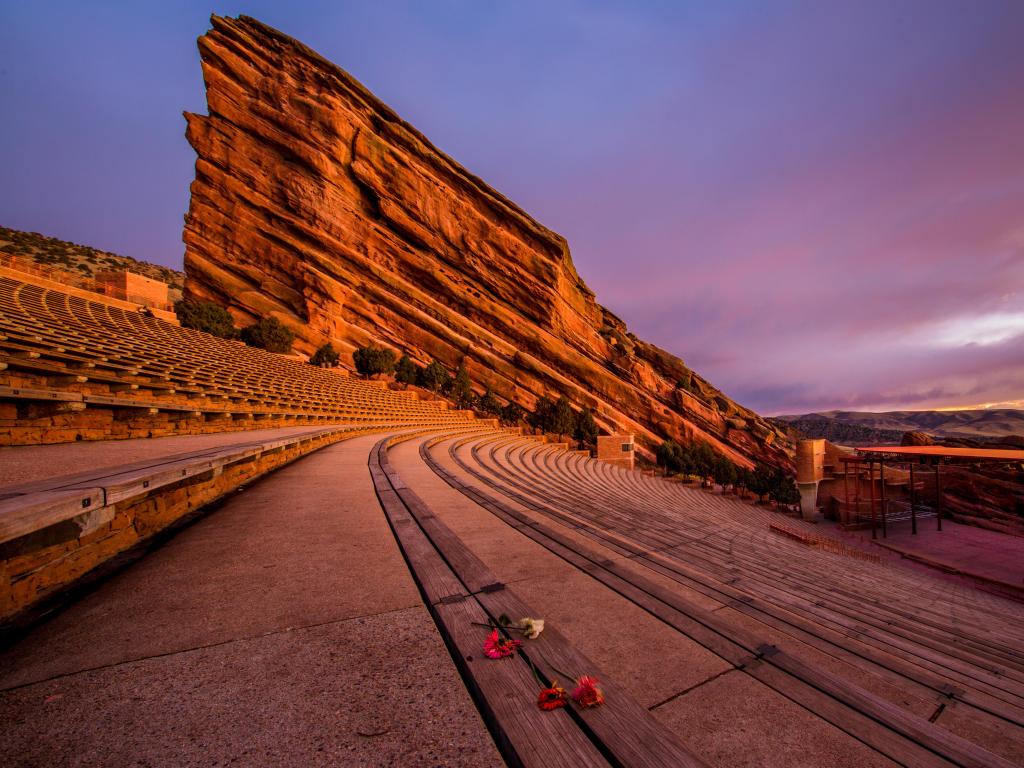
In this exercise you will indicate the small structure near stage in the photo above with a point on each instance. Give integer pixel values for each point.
(616, 449)
(133, 287)
(810, 469)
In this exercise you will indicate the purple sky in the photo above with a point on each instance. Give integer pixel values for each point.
(815, 204)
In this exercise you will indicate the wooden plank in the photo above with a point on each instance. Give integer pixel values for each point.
(26, 393)
(470, 569)
(581, 504)
(506, 691)
(628, 731)
(435, 579)
(671, 567)
(22, 515)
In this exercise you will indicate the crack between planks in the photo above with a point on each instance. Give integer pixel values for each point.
(685, 691)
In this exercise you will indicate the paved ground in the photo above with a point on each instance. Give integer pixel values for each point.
(30, 463)
(975, 550)
(283, 629)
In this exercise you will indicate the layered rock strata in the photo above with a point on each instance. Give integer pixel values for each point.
(316, 203)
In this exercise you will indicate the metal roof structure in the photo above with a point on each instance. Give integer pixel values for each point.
(938, 451)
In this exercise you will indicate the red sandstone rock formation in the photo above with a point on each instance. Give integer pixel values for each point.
(316, 203)
(917, 438)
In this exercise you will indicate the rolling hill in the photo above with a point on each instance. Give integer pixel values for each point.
(863, 427)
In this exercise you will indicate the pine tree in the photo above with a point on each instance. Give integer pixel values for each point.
(327, 355)
(406, 372)
(563, 418)
(372, 359)
(461, 390)
(586, 428)
(541, 416)
(434, 377)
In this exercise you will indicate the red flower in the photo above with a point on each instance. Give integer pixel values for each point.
(552, 698)
(496, 647)
(586, 693)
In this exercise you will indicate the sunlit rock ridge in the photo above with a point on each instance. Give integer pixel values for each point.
(316, 203)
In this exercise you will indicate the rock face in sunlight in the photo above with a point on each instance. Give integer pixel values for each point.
(316, 203)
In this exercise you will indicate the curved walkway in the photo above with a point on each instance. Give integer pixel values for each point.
(282, 629)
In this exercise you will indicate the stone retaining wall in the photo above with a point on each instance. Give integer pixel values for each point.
(34, 423)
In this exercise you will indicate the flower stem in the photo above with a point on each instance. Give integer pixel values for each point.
(497, 626)
(553, 667)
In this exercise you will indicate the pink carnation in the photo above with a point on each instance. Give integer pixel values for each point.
(586, 693)
(497, 647)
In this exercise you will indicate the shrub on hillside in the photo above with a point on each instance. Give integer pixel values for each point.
(406, 372)
(371, 360)
(269, 334)
(327, 356)
(205, 316)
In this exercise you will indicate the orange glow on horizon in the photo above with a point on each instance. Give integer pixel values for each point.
(1014, 404)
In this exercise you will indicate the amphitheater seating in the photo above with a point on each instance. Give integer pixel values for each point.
(894, 630)
(61, 349)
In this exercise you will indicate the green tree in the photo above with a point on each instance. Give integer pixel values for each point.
(542, 413)
(512, 414)
(743, 476)
(269, 334)
(563, 418)
(586, 428)
(783, 488)
(489, 404)
(407, 372)
(700, 459)
(461, 388)
(761, 481)
(327, 355)
(434, 377)
(670, 456)
(205, 316)
(371, 360)
(723, 471)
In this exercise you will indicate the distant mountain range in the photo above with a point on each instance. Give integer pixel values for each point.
(864, 427)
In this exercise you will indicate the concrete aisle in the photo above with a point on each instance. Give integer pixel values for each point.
(282, 629)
